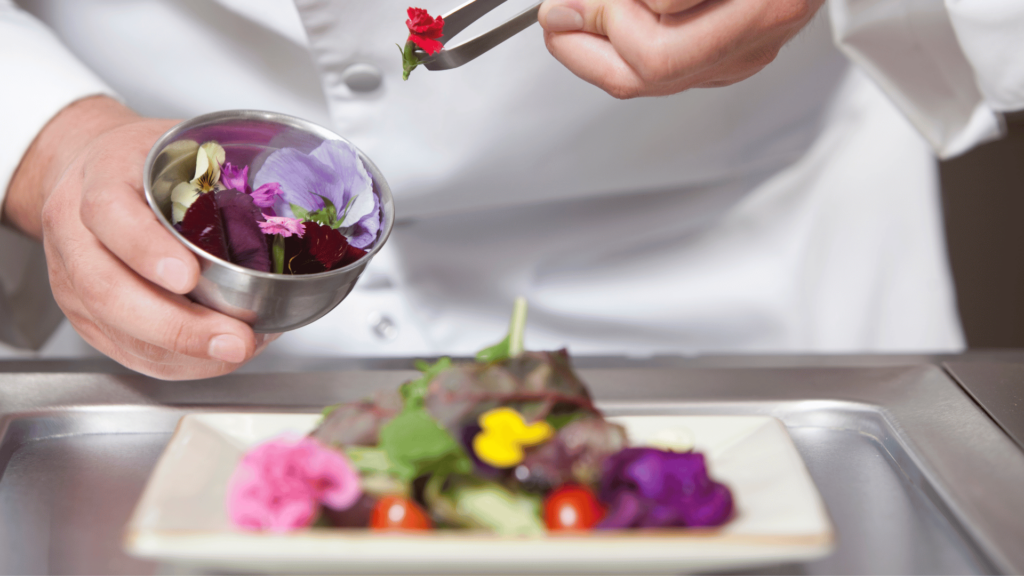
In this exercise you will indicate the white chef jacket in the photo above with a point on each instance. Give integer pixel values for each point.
(796, 211)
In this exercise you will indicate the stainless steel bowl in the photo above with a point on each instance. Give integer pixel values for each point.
(268, 302)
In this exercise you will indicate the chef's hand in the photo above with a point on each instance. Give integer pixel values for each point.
(632, 48)
(117, 274)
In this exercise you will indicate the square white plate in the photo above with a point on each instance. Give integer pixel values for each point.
(779, 515)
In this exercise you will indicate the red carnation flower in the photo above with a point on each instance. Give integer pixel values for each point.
(424, 29)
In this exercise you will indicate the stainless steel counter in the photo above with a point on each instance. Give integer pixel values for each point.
(917, 476)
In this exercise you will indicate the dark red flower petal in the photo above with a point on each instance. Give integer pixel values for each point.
(326, 244)
(297, 259)
(202, 226)
(321, 248)
(429, 46)
(351, 255)
(246, 242)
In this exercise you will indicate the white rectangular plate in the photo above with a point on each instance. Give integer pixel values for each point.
(779, 515)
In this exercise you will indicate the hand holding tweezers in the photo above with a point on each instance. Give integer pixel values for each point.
(457, 20)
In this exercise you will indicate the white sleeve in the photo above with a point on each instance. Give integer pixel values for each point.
(991, 33)
(39, 78)
(912, 49)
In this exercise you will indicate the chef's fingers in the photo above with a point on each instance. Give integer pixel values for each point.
(116, 297)
(671, 6)
(568, 15)
(114, 210)
(120, 302)
(712, 43)
(128, 351)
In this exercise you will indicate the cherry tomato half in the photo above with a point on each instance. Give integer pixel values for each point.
(572, 507)
(397, 513)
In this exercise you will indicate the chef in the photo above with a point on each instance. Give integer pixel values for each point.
(778, 195)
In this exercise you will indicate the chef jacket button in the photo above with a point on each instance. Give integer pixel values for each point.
(383, 326)
(362, 77)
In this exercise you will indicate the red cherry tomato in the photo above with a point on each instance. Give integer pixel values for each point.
(397, 513)
(572, 507)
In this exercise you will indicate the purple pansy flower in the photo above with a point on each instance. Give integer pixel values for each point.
(647, 487)
(333, 171)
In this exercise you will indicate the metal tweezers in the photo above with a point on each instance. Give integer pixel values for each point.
(457, 20)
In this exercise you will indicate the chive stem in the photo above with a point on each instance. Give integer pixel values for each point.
(277, 251)
(517, 328)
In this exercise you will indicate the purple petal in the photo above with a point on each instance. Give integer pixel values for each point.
(234, 178)
(625, 511)
(660, 516)
(364, 233)
(686, 474)
(264, 195)
(712, 508)
(343, 159)
(304, 180)
(246, 243)
(647, 474)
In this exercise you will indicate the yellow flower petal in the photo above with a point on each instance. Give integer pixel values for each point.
(496, 450)
(536, 433)
(502, 420)
(503, 435)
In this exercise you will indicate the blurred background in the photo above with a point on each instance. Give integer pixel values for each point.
(983, 199)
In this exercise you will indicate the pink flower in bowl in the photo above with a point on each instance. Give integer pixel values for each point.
(279, 485)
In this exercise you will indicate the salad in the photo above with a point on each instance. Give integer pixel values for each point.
(511, 443)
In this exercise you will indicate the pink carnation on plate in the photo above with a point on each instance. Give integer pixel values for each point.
(282, 225)
(279, 484)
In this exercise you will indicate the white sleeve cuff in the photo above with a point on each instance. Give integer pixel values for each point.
(912, 52)
(40, 77)
(991, 33)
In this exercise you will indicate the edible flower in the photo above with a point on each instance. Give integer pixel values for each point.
(650, 488)
(503, 435)
(235, 178)
(424, 30)
(282, 225)
(329, 186)
(279, 484)
(209, 159)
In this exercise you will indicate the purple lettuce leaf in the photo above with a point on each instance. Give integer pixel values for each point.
(247, 245)
(358, 423)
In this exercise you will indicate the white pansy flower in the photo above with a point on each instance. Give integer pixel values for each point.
(209, 159)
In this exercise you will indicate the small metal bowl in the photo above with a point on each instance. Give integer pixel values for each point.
(268, 302)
